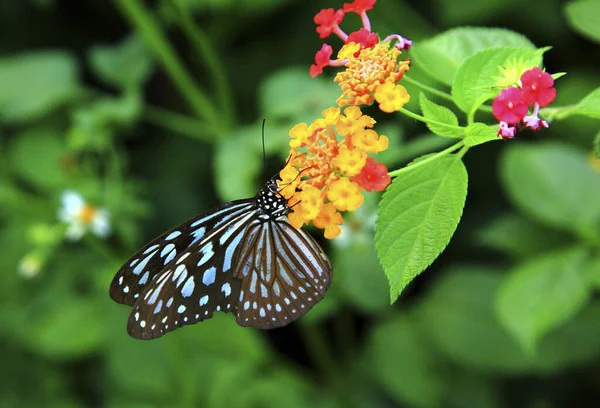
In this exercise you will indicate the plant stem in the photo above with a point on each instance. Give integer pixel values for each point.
(425, 120)
(183, 124)
(204, 47)
(149, 29)
(436, 156)
(429, 89)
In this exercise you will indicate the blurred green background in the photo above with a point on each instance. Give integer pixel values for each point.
(153, 112)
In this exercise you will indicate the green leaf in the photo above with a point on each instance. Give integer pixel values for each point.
(35, 84)
(588, 106)
(542, 294)
(36, 157)
(438, 113)
(521, 237)
(441, 55)
(479, 133)
(417, 217)
(555, 184)
(584, 17)
(125, 65)
(71, 328)
(593, 274)
(362, 279)
(574, 344)
(238, 163)
(475, 79)
(457, 315)
(597, 146)
(401, 361)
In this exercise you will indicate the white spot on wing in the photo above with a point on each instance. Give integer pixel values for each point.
(172, 235)
(226, 289)
(209, 276)
(181, 309)
(203, 300)
(188, 288)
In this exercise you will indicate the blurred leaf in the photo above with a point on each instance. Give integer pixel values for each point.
(594, 273)
(260, 6)
(439, 113)
(362, 278)
(597, 146)
(541, 294)
(479, 133)
(519, 236)
(417, 217)
(71, 328)
(94, 124)
(584, 17)
(475, 81)
(137, 368)
(125, 65)
(588, 106)
(36, 155)
(403, 364)
(555, 184)
(443, 54)
(575, 344)
(238, 164)
(465, 11)
(293, 95)
(458, 316)
(35, 84)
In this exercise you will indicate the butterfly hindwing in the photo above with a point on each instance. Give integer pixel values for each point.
(137, 273)
(283, 278)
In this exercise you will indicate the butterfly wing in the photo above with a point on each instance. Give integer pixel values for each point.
(282, 278)
(198, 282)
(139, 271)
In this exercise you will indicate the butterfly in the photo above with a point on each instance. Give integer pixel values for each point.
(243, 257)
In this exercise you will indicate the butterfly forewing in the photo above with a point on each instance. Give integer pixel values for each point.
(283, 278)
(137, 273)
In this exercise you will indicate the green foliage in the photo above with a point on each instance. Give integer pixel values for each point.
(438, 113)
(478, 133)
(542, 294)
(418, 215)
(509, 308)
(583, 16)
(35, 84)
(554, 184)
(443, 54)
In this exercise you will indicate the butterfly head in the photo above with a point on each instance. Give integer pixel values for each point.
(270, 202)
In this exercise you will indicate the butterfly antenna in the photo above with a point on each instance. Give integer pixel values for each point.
(264, 151)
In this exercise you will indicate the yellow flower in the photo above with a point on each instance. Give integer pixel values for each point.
(345, 195)
(369, 141)
(364, 74)
(391, 97)
(329, 219)
(350, 161)
(348, 50)
(299, 134)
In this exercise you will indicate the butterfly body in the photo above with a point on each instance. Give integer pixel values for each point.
(243, 257)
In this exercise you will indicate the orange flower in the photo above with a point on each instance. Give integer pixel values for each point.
(325, 157)
(372, 68)
(391, 97)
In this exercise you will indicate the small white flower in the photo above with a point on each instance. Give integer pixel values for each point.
(29, 266)
(82, 216)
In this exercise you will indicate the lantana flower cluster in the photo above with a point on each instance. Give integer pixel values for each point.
(329, 167)
(534, 90)
(372, 66)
